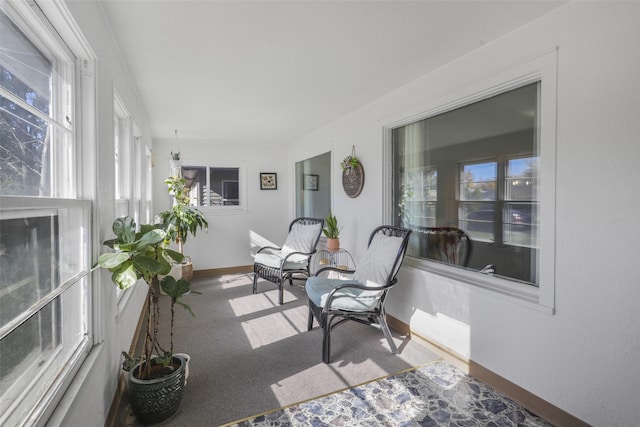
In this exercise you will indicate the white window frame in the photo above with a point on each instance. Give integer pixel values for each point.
(72, 187)
(242, 207)
(541, 69)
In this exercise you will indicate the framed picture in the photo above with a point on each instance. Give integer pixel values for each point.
(268, 181)
(310, 182)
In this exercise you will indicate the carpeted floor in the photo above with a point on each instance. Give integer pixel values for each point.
(438, 394)
(250, 355)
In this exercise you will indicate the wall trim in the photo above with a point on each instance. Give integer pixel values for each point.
(225, 270)
(535, 404)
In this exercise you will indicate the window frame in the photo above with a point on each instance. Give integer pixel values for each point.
(51, 29)
(242, 185)
(541, 69)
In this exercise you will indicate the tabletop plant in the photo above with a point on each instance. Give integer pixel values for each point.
(331, 230)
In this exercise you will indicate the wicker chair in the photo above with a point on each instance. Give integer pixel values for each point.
(278, 264)
(360, 297)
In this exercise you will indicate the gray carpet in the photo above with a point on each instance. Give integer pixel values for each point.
(250, 356)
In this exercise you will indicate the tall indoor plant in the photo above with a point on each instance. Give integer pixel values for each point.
(156, 384)
(181, 220)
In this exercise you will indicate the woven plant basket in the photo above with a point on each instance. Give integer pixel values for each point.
(187, 268)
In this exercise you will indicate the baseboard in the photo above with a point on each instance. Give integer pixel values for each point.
(535, 404)
(226, 270)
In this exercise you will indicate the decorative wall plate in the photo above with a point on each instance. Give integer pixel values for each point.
(353, 180)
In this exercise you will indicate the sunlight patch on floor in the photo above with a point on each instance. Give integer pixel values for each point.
(265, 330)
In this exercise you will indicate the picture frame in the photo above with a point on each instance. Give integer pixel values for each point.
(268, 181)
(310, 182)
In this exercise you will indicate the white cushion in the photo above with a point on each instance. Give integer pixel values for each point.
(294, 262)
(318, 289)
(374, 268)
(301, 238)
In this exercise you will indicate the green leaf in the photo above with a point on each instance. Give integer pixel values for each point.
(186, 307)
(174, 255)
(125, 229)
(175, 289)
(112, 260)
(125, 278)
(155, 266)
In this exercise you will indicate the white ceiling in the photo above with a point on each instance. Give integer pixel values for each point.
(271, 71)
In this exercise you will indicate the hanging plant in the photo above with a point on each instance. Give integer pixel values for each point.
(350, 163)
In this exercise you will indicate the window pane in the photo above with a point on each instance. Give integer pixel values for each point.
(224, 187)
(28, 265)
(521, 224)
(25, 71)
(474, 168)
(479, 181)
(34, 355)
(478, 220)
(522, 179)
(195, 179)
(42, 250)
(25, 152)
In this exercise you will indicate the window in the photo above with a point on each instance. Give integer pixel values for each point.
(44, 226)
(474, 167)
(214, 186)
(122, 157)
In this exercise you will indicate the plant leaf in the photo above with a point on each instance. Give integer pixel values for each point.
(125, 278)
(125, 229)
(112, 260)
(156, 266)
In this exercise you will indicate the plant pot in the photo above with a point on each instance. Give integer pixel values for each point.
(157, 399)
(333, 245)
(187, 268)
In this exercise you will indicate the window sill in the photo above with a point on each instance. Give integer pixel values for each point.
(522, 294)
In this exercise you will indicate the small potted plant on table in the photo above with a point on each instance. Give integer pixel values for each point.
(332, 232)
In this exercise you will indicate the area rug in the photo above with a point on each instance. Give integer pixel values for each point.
(437, 394)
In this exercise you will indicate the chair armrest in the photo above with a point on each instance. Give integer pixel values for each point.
(268, 247)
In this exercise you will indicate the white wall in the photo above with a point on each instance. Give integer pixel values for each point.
(233, 237)
(584, 358)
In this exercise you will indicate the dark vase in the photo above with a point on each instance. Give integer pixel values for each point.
(157, 399)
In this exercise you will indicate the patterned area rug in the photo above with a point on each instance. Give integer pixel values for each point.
(437, 394)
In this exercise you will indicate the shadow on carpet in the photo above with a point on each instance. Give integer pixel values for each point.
(437, 394)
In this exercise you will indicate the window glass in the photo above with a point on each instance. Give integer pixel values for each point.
(25, 107)
(212, 186)
(474, 168)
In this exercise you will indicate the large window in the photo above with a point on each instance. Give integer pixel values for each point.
(474, 168)
(44, 226)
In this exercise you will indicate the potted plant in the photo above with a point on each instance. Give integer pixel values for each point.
(182, 220)
(332, 232)
(156, 383)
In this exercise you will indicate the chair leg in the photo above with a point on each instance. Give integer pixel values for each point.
(255, 283)
(385, 328)
(280, 294)
(326, 341)
(310, 319)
